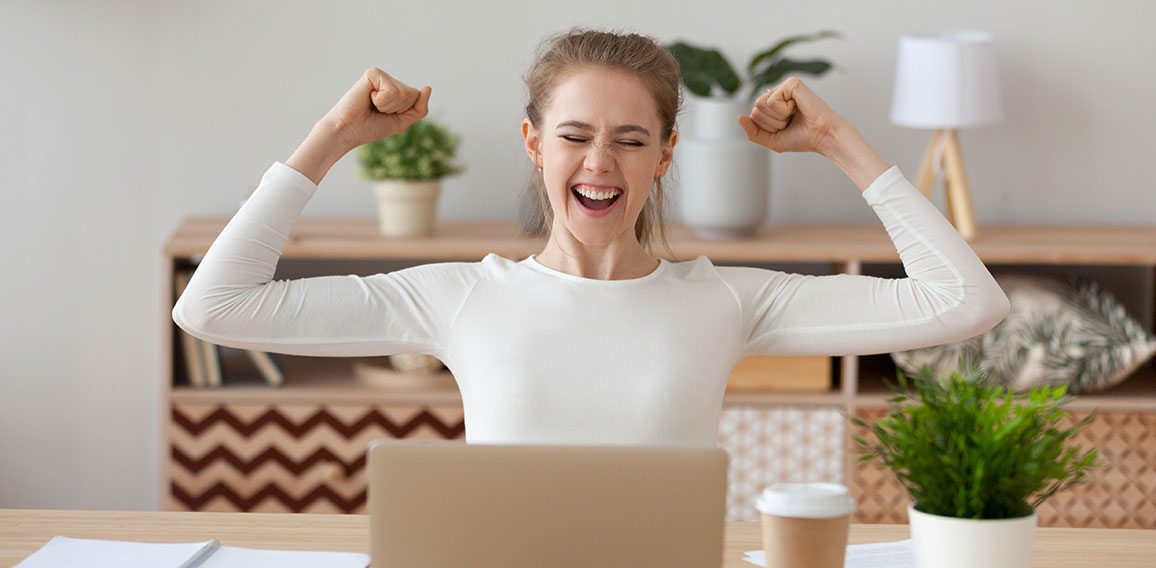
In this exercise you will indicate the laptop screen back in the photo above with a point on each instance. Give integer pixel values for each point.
(445, 503)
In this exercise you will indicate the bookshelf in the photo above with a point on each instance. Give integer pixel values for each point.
(322, 391)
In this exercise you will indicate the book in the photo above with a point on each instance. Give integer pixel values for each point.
(212, 354)
(190, 346)
(65, 552)
(268, 366)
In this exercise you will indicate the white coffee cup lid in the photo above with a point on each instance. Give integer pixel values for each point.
(806, 500)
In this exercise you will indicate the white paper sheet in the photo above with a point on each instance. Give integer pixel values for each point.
(64, 552)
(874, 555)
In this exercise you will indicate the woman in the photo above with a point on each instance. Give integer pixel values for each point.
(593, 340)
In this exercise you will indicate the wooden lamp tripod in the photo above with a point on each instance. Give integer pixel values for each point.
(943, 154)
(945, 81)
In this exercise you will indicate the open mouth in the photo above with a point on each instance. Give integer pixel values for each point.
(595, 199)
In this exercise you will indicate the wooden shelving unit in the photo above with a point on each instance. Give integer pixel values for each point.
(858, 385)
(845, 248)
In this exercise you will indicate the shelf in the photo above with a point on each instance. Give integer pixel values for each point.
(331, 380)
(1136, 393)
(784, 398)
(310, 380)
(317, 238)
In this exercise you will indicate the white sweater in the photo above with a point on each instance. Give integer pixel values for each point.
(542, 356)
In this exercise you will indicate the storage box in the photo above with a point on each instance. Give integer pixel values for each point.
(779, 373)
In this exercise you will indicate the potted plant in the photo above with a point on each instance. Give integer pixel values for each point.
(977, 460)
(724, 179)
(406, 170)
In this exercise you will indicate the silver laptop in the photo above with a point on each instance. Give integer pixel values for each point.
(438, 504)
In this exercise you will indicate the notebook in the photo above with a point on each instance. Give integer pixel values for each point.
(443, 503)
(64, 552)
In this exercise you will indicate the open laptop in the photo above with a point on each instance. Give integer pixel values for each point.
(438, 504)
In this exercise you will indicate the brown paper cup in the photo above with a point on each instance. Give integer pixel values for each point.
(793, 542)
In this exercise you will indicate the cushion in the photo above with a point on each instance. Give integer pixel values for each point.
(1061, 330)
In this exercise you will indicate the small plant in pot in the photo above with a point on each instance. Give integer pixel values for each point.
(724, 179)
(407, 169)
(976, 460)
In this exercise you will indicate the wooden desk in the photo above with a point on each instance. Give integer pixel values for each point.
(24, 531)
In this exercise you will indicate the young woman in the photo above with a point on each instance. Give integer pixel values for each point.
(593, 340)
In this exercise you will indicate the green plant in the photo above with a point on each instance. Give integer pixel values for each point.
(703, 68)
(969, 448)
(425, 150)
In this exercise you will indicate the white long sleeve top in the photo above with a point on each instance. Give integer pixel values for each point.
(541, 356)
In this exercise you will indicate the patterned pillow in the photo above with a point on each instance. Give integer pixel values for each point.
(1061, 330)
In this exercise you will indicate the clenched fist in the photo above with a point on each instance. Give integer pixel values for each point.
(792, 118)
(377, 106)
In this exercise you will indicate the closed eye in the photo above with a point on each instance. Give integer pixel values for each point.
(578, 140)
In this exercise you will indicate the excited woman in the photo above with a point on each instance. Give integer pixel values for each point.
(593, 340)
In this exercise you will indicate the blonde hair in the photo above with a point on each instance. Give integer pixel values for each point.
(639, 55)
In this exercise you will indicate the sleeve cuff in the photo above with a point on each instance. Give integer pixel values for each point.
(286, 175)
(888, 179)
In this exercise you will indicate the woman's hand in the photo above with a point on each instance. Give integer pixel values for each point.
(375, 107)
(792, 118)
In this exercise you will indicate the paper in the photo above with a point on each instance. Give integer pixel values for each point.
(230, 556)
(64, 552)
(875, 555)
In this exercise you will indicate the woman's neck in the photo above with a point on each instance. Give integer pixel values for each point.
(621, 259)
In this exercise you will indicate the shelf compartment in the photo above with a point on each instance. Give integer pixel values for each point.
(1136, 393)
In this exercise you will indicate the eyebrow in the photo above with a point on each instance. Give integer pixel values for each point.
(617, 130)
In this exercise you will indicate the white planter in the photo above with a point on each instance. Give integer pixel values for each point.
(407, 208)
(949, 542)
(723, 177)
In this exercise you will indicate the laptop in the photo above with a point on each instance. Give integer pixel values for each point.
(434, 504)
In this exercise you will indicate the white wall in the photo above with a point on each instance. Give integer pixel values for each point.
(117, 119)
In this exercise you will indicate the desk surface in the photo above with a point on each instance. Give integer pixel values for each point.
(24, 531)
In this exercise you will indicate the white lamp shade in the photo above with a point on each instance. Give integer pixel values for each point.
(946, 80)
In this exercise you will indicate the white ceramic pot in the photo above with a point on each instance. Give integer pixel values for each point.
(407, 208)
(950, 542)
(723, 177)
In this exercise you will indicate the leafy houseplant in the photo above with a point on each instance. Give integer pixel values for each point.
(968, 448)
(406, 169)
(724, 178)
(703, 68)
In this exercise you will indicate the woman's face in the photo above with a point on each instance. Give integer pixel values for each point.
(600, 147)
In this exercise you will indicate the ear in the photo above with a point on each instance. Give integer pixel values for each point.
(667, 155)
(530, 134)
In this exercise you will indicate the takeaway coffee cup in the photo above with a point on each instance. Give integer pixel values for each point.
(805, 525)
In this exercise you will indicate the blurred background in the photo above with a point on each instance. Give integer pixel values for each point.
(120, 118)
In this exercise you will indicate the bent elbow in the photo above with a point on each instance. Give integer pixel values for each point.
(993, 306)
(181, 317)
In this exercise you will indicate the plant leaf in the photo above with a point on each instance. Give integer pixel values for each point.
(701, 69)
(774, 72)
(768, 54)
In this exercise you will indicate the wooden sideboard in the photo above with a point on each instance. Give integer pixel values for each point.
(300, 447)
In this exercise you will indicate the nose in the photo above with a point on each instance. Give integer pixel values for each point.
(599, 158)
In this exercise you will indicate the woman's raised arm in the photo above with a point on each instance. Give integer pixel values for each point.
(232, 299)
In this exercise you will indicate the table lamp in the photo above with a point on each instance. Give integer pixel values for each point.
(946, 81)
